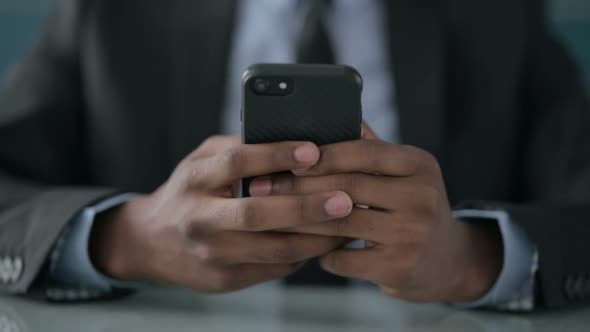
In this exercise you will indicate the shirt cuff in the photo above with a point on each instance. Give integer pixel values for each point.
(70, 262)
(514, 288)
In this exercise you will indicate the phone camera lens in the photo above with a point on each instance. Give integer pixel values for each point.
(261, 85)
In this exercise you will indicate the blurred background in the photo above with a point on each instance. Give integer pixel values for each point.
(20, 21)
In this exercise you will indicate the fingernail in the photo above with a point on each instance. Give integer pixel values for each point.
(338, 205)
(261, 187)
(307, 154)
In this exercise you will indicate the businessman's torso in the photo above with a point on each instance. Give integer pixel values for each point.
(153, 80)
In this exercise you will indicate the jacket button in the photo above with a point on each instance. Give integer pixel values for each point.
(11, 269)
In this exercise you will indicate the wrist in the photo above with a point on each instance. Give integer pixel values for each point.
(481, 260)
(114, 244)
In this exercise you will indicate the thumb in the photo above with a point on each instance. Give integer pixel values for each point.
(367, 132)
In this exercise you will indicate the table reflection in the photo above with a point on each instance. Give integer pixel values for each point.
(10, 321)
(270, 309)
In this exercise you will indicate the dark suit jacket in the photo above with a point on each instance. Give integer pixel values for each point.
(115, 93)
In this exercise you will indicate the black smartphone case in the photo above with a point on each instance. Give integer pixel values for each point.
(324, 106)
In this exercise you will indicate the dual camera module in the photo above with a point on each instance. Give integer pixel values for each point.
(272, 86)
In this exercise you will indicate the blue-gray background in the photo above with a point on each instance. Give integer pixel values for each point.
(20, 21)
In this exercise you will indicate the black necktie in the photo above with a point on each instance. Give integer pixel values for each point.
(314, 47)
(314, 44)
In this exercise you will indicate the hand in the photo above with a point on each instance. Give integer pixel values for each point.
(192, 232)
(415, 250)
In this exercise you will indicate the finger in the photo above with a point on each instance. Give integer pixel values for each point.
(364, 224)
(351, 263)
(217, 144)
(274, 212)
(371, 156)
(245, 161)
(367, 132)
(364, 189)
(264, 248)
(236, 277)
(402, 197)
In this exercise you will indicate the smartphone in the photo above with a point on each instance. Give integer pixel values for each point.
(300, 102)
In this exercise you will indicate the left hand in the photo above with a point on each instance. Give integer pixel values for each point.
(414, 249)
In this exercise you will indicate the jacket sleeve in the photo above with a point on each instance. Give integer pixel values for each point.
(555, 211)
(42, 157)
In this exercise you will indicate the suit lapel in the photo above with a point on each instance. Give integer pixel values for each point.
(201, 46)
(418, 51)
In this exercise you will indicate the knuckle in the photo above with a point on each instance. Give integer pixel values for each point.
(184, 164)
(413, 158)
(209, 146)
(211, 141)
(208, 254)
(196, 174)
(194, 229)
(225, 213)
(232, 159)
(430, 202)
(374, 151)
(191, 173)
(182, 170)
(246, 216)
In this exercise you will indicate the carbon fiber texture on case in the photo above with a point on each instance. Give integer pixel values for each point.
(324, 107)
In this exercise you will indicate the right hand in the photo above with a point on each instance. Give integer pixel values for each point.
(192, 232)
